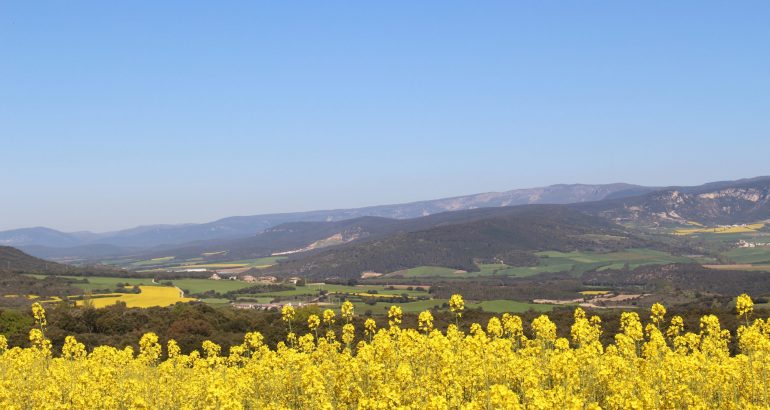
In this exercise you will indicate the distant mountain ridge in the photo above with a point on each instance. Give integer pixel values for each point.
(735, 201)
(725, 202)
(245, 226)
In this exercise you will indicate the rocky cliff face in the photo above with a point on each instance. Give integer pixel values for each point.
(744, 202)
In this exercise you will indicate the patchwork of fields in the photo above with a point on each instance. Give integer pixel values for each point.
(170, 263)
(551, 261)
(365, 297)
(377, 299)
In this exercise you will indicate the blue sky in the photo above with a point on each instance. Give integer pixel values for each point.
(115, 114)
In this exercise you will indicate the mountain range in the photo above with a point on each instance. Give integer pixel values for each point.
(730, 202)
(243, 226)
(243, 237)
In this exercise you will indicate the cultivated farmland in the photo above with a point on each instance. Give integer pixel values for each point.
(552, 261)
(148, 297)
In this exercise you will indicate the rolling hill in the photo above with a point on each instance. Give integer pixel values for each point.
(457, 240)
(13, 260)
(17, 289)
(297, 237)
(288, 238)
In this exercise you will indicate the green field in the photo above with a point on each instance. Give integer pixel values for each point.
(552, 261)
(428, 271)
(170, 262)
(732, 238)
(522, 271)
(612, 260)
(193, 286)
(510, 306)
(154, 261)
(216, 301)
(268, 260)
(720, 241)
(750, 255)
(741, 266)
(257, 299)
(314, 289)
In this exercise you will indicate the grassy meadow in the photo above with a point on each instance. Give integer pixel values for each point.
(314, 289)
(759, 255)
(552, 261)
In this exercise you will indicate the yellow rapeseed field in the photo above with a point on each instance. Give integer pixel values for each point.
(502, 365)
(721, 229)
(150, 296)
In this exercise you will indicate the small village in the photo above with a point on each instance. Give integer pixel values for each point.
(745, 244)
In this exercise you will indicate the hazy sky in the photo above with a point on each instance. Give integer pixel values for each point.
(115, 114)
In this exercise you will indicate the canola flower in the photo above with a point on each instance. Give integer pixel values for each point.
(370, 327)
(506, 365)
(425, 321)
(744, 306)
(346, 311)
(456, 304)
(313, 322)
(394, 316)
(328, 317)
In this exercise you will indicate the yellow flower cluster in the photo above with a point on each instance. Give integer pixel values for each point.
(658, 365)
(456, 304)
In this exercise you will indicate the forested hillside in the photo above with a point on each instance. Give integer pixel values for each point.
(508, 235)
(13, 260)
